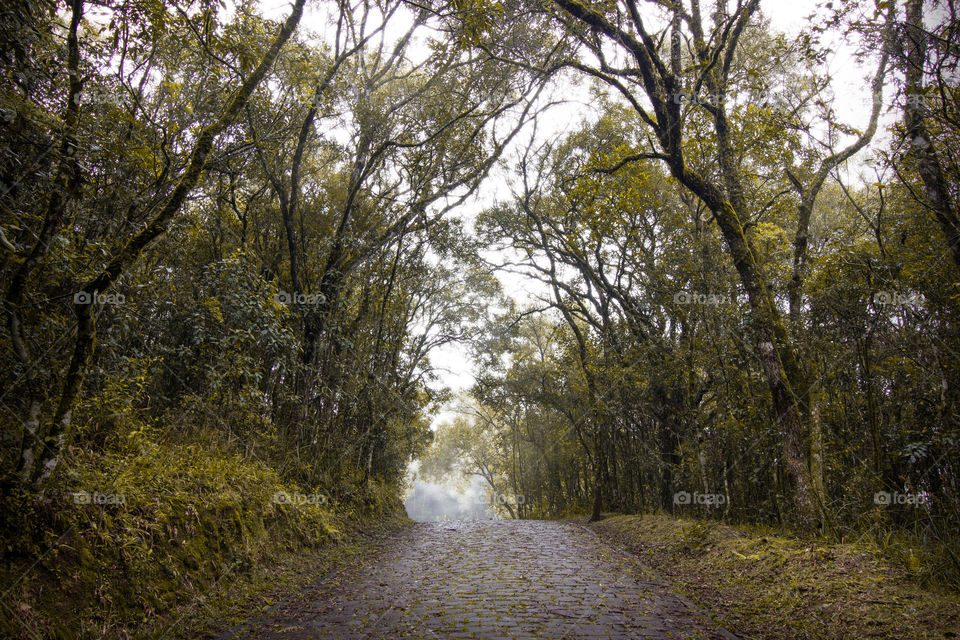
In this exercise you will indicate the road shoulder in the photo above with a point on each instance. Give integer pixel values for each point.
(762, 586)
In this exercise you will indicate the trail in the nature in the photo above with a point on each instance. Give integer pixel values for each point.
(489, 579)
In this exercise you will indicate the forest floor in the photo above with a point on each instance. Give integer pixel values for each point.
(488, 579)
(193, 541)
(259, 591)
(763, 586)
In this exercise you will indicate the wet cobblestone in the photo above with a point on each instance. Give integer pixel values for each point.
(489, 579)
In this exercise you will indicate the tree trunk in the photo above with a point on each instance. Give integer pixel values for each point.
(936, 187)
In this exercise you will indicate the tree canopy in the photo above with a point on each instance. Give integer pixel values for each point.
(253, 232)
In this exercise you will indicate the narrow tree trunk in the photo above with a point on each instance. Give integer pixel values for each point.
(936, 187)
(64, 190)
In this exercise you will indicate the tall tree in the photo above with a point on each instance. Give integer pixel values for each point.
(632, 59)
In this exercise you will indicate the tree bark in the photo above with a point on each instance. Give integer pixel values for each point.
(65, 188)
(936, 185)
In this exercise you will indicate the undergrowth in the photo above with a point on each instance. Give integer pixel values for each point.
(129, 539)
(759, 583)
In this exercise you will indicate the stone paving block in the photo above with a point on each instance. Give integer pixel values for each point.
(491, 580)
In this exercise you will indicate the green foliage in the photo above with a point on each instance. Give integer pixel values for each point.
(645, 379)
(277, 327)
(696, 534)
(175, 520)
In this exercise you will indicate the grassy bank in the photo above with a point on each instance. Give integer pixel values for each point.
(762, 586)
(183, 542)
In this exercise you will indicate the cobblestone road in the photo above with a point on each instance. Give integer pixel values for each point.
(491, 579)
